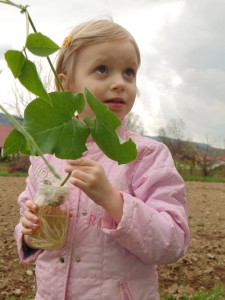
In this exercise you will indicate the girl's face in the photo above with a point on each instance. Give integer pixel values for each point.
(109, 71)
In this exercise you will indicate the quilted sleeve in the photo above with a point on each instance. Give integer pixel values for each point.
(28, 194)
(154, 224)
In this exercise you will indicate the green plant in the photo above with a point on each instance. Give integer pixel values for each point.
(65, 134)
(14, 298)
(203, 179)
(217, 293)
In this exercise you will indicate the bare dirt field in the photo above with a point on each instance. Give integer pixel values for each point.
(202, 267)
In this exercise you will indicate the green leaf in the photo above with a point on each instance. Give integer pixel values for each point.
(57, 131)
(102, 111)
(15, 143)
(30, 79)
(18, 142)
(103, 131)
(41, 45)
(25, 70)
(15, 60)
(54, 128)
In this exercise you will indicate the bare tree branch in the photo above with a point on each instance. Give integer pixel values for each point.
(21, 97)
(135, 124)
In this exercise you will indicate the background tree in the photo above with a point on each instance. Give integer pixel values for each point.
(135, 124)
(205, 162)
(173, 136)
(207, 158)
(183, 150)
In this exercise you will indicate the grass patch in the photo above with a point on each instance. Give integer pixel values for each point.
(203, 179)
(14, 298)
(4, 166)
(217, 293)
(16, 174)
(4, 171)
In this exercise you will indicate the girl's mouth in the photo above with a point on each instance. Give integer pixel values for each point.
(115, 101)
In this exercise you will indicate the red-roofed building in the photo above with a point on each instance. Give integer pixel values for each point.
(205, 158)
(4, 132)
(221, 157)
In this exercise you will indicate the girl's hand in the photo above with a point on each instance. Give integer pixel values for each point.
(29, 220)
(90, 177)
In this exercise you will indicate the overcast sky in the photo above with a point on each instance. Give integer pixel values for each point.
(182, 43)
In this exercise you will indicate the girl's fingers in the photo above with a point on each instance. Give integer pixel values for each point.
(70, 168)
(27, 231)
(78, 183)
(28, 215)
(80, 175)
(31, 206)
(79, 163)
(29, 220)
(82, 162)
(28, 227)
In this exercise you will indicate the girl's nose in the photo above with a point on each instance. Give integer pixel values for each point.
(118, 82)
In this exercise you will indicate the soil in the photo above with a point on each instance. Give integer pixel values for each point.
(201, 268)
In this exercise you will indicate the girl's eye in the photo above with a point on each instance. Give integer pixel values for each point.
(101, 70)
(129, 73)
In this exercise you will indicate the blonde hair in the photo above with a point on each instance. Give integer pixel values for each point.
(86, 34)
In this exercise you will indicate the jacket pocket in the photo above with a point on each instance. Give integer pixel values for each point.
(124, 291)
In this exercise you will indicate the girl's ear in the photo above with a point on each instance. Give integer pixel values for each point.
(62, 78)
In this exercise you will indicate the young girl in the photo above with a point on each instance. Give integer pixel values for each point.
(126, 219)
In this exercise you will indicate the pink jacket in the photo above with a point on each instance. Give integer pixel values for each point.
(102, 260)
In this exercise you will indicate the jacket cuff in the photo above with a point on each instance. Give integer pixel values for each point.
(27, 250)
(125, 223)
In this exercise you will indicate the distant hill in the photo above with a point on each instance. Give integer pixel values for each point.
(201, 147)
(5, 121)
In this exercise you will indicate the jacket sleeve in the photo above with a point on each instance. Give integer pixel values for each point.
(28, 194)
(154, 223)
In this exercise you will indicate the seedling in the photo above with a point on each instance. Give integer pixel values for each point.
(50, 125)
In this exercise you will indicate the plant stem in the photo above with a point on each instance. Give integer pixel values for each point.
(65, 179)
(48, 59)
(55, 74)
(27, 23)
(31, 22)
(56, 77)
(27, 136)
(13, 4)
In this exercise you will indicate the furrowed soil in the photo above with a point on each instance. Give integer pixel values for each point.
(201, 268)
